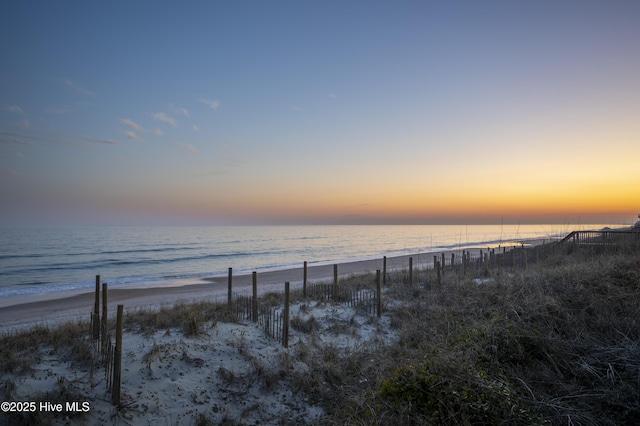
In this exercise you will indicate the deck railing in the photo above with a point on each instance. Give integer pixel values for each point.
(601, 238)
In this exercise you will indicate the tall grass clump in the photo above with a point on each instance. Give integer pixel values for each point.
(189, 318)
(19, 349)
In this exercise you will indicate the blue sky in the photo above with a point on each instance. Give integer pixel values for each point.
(319, 112)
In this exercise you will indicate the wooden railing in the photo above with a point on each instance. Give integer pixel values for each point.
(600, 238)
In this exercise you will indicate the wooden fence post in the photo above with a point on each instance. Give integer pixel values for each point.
(96, 311)
(254, 301)
(411, 271)
(486, 262)
(442, 265)
(117, 359)
(105, 317)
(285, 326)
(335, 281)
(304, 280)
(230, 285)
(384, 270)
(379, 291)
(465, 259)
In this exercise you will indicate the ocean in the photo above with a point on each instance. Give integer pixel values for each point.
(43, 260)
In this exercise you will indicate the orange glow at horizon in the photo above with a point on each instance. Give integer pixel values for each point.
(421, 204)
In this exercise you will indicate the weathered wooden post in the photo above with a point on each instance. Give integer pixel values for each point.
(438, 271)
(442, 265)
(411, 271)
(524, 258)
(453, 260)
(105, 317)
(464, 262)
(254, 301)
(335, 281)
(384, 270)
(379, 292)
(230, 290)
(285, 326)
(486, 263)
(304, 280)
(117, 359)
(95, 319)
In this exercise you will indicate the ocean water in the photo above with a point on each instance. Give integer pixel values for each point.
(44, 260)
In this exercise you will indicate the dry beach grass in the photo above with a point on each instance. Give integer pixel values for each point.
(557, 343)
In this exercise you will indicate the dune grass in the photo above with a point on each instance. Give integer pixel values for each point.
(557, 344)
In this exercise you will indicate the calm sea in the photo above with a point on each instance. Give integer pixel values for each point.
(43, 260)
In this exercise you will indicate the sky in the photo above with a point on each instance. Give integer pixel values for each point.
(319, 112)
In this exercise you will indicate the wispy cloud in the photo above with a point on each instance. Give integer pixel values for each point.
(77, 88)
(12, 138)
(333, 95)
(195, 128)
(214, 104)
(233, 162)
(10, 153)
(213, 173)
(178, 110)
(37, 138)
(8, 172)
(161, 116)
(297, 108)
(188, 147)
(104, 141)
(25, 124)
(158, 132)
(229, 148)
(226, 164)
(135, 126)
(57, 109)
(133, 136)
(13, 108)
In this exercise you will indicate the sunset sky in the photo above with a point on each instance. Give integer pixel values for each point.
(319, 112)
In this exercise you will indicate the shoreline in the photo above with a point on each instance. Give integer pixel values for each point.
(57, 307)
